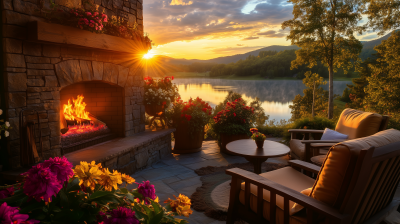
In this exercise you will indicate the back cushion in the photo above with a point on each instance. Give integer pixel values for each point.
(358, 124)
(331, 185)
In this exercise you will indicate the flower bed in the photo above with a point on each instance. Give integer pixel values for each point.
(53, 192)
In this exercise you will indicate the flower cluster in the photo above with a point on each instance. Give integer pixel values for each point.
(195, 112)
(11, 215)
(87, 20)
(160, 91)
(147, 190)
(181, 205)
(235, 112)
(257, 136)
(120, 215)
(4, 127)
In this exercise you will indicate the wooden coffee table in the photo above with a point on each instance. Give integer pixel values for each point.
(247, 148)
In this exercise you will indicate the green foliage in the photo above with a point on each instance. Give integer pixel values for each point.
(384, 85)
(383, 15)
(308, 122)
(324, 31)
(259, 115)
(274, 128)
(345, 96)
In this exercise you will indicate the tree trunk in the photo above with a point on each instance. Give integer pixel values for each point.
(313, 101)
(330, 99)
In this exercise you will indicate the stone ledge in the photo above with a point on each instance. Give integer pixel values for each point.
(108, 150)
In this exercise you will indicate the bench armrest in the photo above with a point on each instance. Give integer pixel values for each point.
(239, 175)
(305, 166)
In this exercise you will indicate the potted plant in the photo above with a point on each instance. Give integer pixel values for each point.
(189, 119)
(258, 137)
(233, 123)
(158, 95)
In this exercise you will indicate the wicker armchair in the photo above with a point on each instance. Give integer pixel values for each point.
(356, 184)
(354, 123)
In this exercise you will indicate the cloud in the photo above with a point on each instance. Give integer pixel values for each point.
(177, 20)
(234, 50)
(250, 38)
(272, 34)
(239, 45)
(369, 37)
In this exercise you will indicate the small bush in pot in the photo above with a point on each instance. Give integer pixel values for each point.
(189, 119)
(258, 137)
(160, 92)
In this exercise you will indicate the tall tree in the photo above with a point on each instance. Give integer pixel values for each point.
(313, 81)
(383, 15)
(324, 31)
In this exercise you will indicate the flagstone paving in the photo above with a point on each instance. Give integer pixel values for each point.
(175, 174)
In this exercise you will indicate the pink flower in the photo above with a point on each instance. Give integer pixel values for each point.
(91, 21)
(5, 193)
(61, 167)
(86, 21)
(41, 183)
(95, 13)
(147, 190)
(88, 13)
(11, 215)
(121, 215)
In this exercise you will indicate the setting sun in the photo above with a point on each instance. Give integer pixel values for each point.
(149, 54)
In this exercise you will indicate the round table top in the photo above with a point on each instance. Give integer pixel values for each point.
(248, 148)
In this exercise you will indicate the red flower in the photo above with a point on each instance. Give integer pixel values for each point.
(172, 77)
(163, 103)
(188, 117)
(234, 114)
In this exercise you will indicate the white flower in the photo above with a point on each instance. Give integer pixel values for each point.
(1, 112)
(6, 133)
(7, 124)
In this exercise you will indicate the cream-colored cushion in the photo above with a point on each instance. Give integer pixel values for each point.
(336, 172)
(358, 124)
(297, 148)
(287, 177)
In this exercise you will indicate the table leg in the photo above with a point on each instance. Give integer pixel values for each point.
(257, 164)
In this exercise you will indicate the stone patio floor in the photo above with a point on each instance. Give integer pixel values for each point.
(175, 174)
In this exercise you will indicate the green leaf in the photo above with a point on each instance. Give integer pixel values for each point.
(99, 194)
(73, 185)
(124, 190)
(157, 218)
(156, 206)
(33, 206)
(63, 199)
(76, 214)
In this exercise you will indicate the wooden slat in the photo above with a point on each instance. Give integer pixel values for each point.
(247, 195)
(272, 207)
(260, 203)
(286, 211)
(50, 32)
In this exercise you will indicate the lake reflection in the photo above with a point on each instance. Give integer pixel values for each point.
(276, 95)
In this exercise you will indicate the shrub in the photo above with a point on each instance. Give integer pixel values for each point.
(160, 91)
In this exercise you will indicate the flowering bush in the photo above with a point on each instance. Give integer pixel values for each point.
(257, 136)
(160, 91)
(235, 118)
(196, 113)
(4, 127)
(53, 192)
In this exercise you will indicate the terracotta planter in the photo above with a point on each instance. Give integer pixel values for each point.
(154, 110)
(260, 144)
(225, 139)
(185, 142)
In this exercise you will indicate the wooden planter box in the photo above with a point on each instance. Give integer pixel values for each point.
(186, 142)
(51, 32)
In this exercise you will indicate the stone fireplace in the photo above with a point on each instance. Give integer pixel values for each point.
(43, 75)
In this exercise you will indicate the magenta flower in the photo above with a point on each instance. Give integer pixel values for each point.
(5, 193)
(10, 215)
(41, 183)
(61, 167)
(121, 215)
(147, 190)
(88, 13)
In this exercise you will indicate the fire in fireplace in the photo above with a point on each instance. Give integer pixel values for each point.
(79, 126)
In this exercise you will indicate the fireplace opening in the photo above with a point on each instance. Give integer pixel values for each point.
(90, 113)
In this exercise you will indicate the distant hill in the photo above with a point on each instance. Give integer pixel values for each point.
(366, 52)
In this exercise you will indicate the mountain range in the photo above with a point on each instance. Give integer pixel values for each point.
(367, 51)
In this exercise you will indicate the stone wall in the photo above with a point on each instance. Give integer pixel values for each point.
(34, 73)
(140, 157)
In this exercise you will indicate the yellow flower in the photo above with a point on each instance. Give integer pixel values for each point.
(88, 174)
(109, 180)
(128, 179)
(181, 205)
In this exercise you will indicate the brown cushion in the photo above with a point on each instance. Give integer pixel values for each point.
(287, 177)
(297, 148)
(337, 170)
(358, 124)
(318, 160)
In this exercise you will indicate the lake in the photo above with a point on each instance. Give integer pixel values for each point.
(275, 95)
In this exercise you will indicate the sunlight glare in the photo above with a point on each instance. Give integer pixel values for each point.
(149, 54)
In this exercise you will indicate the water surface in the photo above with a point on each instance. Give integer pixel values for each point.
(275, 95)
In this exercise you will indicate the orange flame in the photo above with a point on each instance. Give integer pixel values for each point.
(76, 110)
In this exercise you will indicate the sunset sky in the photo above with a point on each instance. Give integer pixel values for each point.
(205, 29)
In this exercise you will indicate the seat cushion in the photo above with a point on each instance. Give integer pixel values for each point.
(318, 160)
(331, 185)
(287, 177)
(358, 124)
(297, 148)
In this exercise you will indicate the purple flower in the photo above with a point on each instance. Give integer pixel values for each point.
(41, 183)
(5, 193)
(61, 167)
(147, 190)
(121, 215)
(10, 215)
